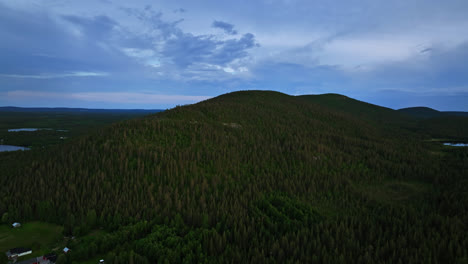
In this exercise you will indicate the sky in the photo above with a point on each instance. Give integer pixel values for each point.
(159, 54)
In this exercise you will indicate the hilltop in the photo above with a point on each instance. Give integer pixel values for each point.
(421, 112)
(252, 177)
(426, 112)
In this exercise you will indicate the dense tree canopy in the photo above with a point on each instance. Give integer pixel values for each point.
(257, 177)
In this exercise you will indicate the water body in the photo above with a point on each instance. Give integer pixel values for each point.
(33, 129)
(23, 129)
(11, 148)
(456, 144)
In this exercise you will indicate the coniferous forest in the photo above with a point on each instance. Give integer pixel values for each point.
(253, 177)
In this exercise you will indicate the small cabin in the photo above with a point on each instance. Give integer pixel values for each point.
(66, 250)
(16, 224)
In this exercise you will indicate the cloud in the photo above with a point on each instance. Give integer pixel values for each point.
(143, 98)
(107, 97)
(425, 50)
(95, 28)
(186, 49)
(440, 68)
(34, 42)
(55, 76)
(228, 28)
(143, 46)
(179, 10)
(186, 56)
(355, 47)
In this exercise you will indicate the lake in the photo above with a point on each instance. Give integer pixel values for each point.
(23, 129)
(11, 148)
(456, 144)
(33, 129)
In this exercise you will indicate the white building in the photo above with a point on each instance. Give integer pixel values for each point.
(18, 252)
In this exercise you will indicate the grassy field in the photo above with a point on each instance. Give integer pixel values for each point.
(394, 191)
(93, 260)
(39, 236)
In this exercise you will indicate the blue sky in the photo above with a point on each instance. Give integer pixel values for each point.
(158, 54)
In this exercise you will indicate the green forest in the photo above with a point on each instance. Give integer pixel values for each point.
(56, 125)
(252, 177)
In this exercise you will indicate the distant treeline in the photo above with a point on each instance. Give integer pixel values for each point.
(75, 110)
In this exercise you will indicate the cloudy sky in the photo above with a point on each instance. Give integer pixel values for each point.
(158, 54)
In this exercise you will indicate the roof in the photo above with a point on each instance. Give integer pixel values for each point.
(66, 249)
(16, 224)
(51, 256)
(19, 250)
(28, 261)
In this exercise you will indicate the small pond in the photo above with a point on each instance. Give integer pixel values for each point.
(33, 129)
(456, 144)
(23, 129)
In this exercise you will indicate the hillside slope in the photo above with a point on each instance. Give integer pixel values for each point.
(362, 110)
(254, 176)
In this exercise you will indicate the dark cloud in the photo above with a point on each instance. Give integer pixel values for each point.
(232, 49)
(228, 28)
(425, 50)
(179, 10)
(36, 44)
(185, 50)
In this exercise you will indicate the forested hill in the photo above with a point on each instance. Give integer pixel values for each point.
(421, 112)
(249, 177)
(438, 124)
(359, 109)
(426, 112)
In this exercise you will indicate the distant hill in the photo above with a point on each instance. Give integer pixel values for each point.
(438, 124)
(249, 177)
(353, 108)
(75, 110)
(421, 112)
(426, 112)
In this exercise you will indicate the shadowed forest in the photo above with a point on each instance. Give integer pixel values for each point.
(252, 177)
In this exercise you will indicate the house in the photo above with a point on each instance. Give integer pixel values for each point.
(16, 224)
(50, 257)
(101, 261)
(18, 252)
(66, 250)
